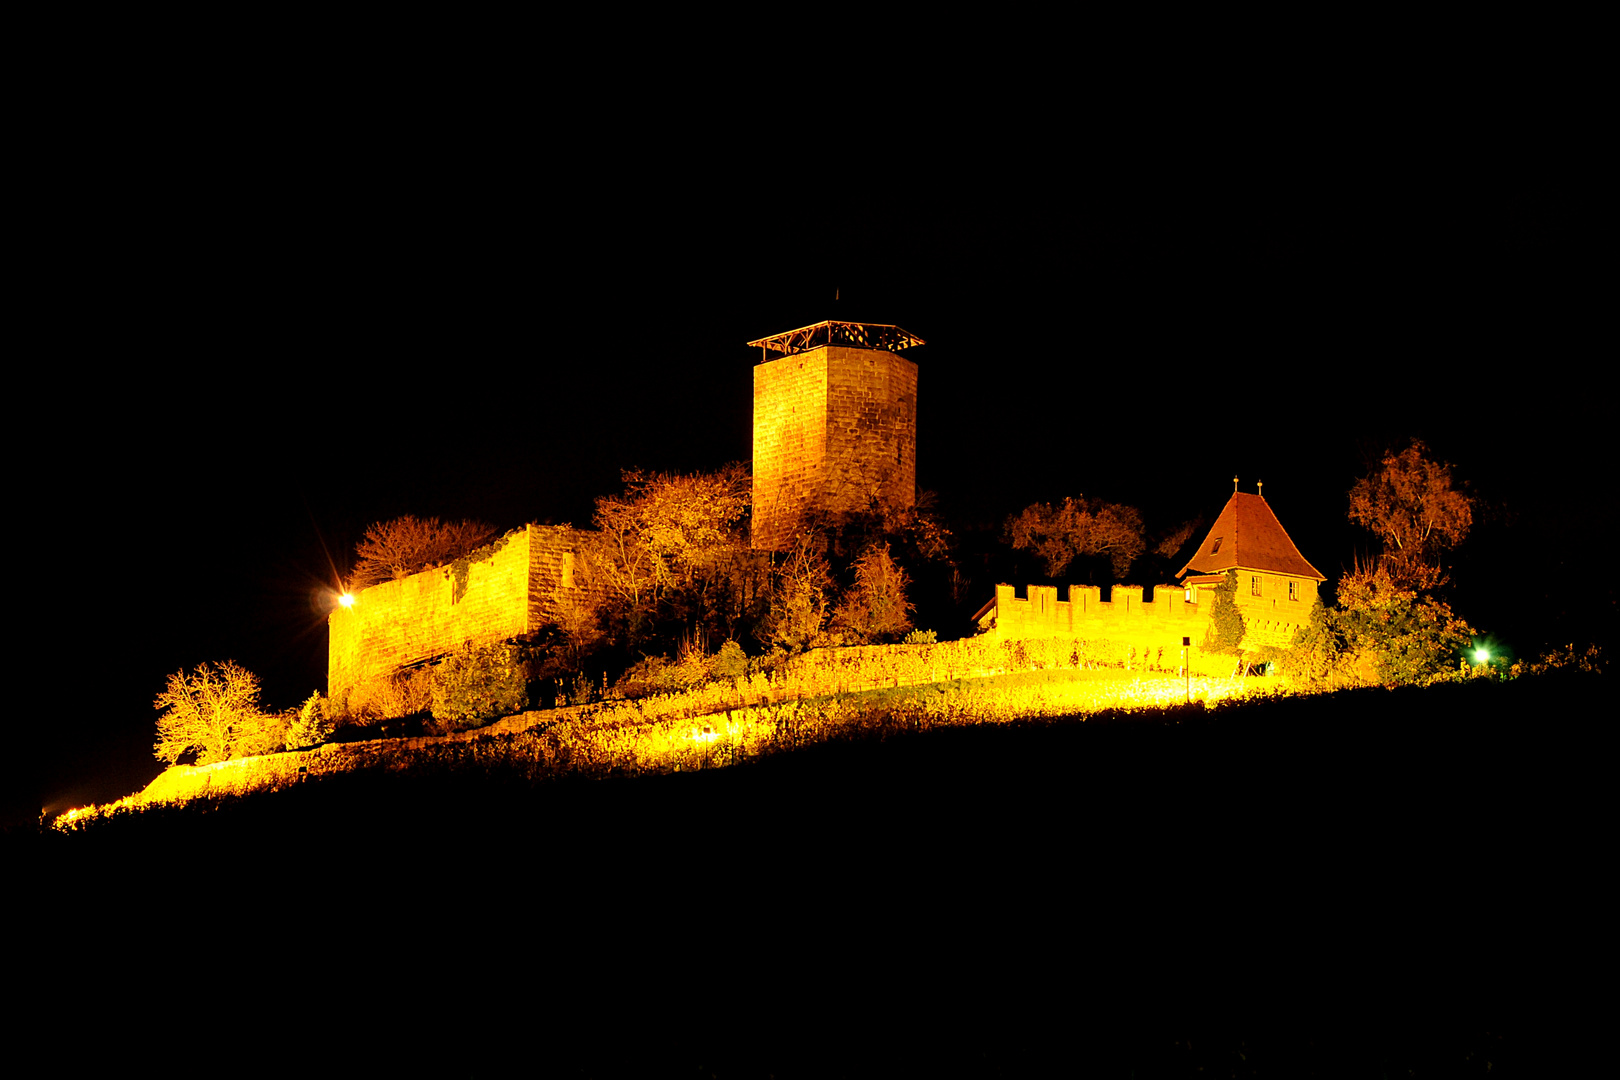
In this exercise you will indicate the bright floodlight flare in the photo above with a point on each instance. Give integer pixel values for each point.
(1481, 655)
(347, 600)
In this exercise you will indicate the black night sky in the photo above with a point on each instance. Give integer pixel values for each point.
(266, 337)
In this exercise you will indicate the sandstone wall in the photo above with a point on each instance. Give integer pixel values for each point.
(562, 576)
(396, 624)
(1154, 626)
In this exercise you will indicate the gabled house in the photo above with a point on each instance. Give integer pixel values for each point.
(1275, 582)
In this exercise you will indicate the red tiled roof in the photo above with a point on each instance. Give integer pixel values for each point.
(1249, 536)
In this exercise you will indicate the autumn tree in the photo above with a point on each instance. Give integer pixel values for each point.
(676, 545)
(214, 712)
(1412, 505)
(1380, 633)
(1078, 527)
(408, 545)
(798, 600)
(875, 608)
(1406, 637)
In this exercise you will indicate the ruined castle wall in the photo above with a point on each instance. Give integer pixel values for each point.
(563, 582)
(834, 428)
(396, 624)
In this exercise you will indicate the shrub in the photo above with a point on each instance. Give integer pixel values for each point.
(730, 662)
(920, 637)
(480, 683)
(1225, 633)
(404, 693)
(312, 726)
(656, 675)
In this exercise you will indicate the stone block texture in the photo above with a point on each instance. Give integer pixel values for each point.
(835, 429)
(527, 583)
(1269, 616)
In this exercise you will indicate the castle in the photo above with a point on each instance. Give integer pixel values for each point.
(1277, 587)
(835, 430)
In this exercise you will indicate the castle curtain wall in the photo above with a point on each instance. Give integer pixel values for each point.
(396, 624)
(536, 574)
(1154, 626)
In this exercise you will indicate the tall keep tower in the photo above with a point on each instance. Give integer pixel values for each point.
(835, 425)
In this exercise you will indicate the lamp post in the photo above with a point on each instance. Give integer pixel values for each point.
(1186, 665)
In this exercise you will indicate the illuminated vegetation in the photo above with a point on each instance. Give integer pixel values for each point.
(408, 545)
(701, 729)
(704, 729)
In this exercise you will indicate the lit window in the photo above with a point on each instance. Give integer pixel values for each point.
(1254, 586)
(1293, 590)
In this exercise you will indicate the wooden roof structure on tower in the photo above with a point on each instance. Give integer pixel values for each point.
(832, 332)
(1248, 536)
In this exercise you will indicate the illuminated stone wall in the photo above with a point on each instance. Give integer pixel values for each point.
(834, 428)
(536, 573)
(1161, 622)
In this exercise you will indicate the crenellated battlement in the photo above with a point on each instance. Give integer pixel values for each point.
(1039, 612)
(1132, 615)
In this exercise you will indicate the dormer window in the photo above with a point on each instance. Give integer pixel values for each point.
(1216, 546)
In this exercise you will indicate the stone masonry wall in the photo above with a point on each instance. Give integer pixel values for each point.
(871, 430)
(834, 427)
(790, 442)
(540, 573)
(395, 624)
(562, 579)
(1129, 618)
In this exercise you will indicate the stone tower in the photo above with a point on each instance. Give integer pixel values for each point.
(835, 425)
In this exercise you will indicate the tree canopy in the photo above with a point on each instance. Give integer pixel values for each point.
(875, 609)
(1381, 632)
(215, 713)
(1079, 527)
(668, 530)
(408, 545)
(798, 601)
(1412, 505)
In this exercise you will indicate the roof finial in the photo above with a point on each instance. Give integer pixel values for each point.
(1260, 488)
(1234, 483)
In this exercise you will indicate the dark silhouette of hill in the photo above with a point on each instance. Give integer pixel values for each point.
(1329, 856)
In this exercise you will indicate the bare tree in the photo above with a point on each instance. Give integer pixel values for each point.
(215, 713)
(408, 545)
